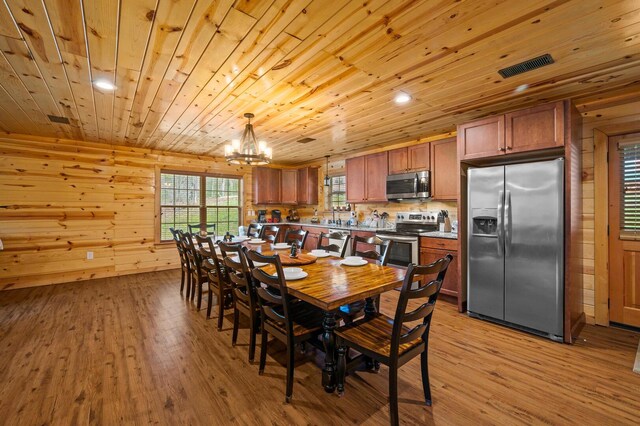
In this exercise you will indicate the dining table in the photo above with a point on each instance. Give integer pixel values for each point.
(330, 284)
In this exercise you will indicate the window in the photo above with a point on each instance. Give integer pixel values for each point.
(193, 199)
(338, 192)
(629, 188)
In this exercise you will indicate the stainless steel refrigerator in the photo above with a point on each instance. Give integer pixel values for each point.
(516, 245)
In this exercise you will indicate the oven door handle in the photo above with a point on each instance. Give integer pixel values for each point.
(398, 238)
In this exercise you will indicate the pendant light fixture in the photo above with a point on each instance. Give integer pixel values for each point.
(327, 179)
(248, 150)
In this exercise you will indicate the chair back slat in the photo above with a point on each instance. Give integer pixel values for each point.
(344, 238)
(208, 258)
(296, 236)
(254, 230)
(428, 291)
(209, 228)
(382, 256)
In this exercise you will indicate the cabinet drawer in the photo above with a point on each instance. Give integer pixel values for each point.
(439, 243)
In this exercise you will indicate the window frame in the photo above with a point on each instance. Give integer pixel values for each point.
(203, 197)
(330, 193)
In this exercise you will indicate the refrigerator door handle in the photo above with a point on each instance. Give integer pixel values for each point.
(507, 223)
(500, 230)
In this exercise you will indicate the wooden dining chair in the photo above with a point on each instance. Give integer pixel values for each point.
(210, 228)
(198, 274)
(288, 320)
(244, 292)
(325, 244)
(185, 272)
(254, 230)
(270, 233)
(390, 341)
(296, 236)
(366, 248)
(217, 278)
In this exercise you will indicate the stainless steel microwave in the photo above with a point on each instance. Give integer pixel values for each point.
(409, 186)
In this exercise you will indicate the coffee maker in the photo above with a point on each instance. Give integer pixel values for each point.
(262, 216)
(276, 216)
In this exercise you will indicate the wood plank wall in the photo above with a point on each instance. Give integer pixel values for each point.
(62, 198)
(610, 118)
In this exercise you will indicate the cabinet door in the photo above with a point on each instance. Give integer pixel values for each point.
(444, 170)
(450, 284)
(308, 186)
(398, 161)
(273, 193)
(376, 167)
(535, 128)
(289, 186)
(355, 179)
(482, 138)
(418, 156)
(260, 177)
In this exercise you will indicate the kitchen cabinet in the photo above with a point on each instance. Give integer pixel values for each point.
(289, 186)
(355, 172)
(526, 130)
(307, 185)
(444, 170)
(410, 159)
(432, 249)
(367, 178)
(266, 185)
(376, 171)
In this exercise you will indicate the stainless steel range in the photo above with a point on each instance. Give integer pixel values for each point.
(406, 236)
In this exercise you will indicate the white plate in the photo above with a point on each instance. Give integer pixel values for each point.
(281, 246)
(256, 264)
(293, 277)
(240, 239)
(360, 263)
(255, 241)
(320, 253)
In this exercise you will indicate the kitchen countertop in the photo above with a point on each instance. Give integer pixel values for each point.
(438, 234)
(334, 226)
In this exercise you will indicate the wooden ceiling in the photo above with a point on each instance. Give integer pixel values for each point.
(186, 71)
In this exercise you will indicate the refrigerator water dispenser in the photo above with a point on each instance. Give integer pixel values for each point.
(485, 222)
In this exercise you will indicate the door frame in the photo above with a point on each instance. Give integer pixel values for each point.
(601, 218)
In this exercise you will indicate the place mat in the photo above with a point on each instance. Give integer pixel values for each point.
(302, 259)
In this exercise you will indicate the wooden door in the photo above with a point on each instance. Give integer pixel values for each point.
(398, 162)
(450, 284)
(418, 158)
(308, 185)
(535, 128)
(444, 170)
(624, 231)
(355, 179)
(482, 138)
(260, 177)
(273, 186)
(376, 167)
(289, 186)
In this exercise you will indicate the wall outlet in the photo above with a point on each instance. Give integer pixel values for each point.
(89, 255)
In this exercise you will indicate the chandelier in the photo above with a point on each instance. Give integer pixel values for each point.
(248, 150)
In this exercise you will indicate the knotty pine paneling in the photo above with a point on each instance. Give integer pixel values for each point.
(60, 199)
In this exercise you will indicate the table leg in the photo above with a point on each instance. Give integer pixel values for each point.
(329, 340)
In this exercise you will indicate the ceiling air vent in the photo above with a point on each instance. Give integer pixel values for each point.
(306, 140)
(525, 66)
(58, 119)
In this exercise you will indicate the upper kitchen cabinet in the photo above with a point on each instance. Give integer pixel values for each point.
(410, 159)
(289, 186)
(535, 128)
(481, 138)
(444, 170)
(367, 178)
(266, 185)
(307, 183)
(527, 130)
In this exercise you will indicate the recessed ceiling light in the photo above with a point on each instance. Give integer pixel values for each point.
(104, 84)
(402, 98)
(521, 88)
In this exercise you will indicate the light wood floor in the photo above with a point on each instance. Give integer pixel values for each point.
(132, 350)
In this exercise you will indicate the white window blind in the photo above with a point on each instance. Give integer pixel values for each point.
(629, 188)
